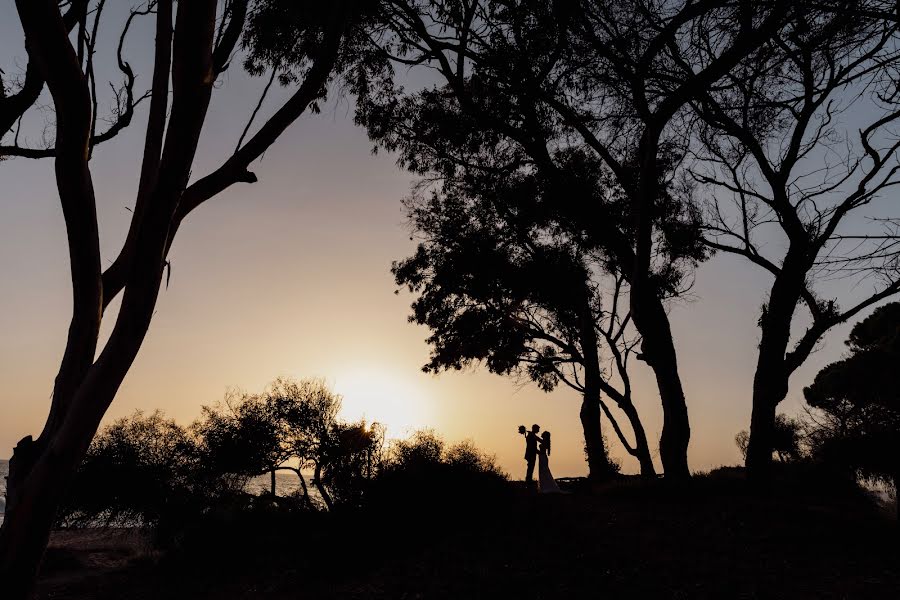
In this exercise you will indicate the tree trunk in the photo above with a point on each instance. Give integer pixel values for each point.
(27, 524)
(658, 350)
(317, 481)
(762, 437)
(897, 494)
(303, 486)
(85, 385)
(274, 492)
(641, 447)
(598, 461)
(770, 381)
(650, 316)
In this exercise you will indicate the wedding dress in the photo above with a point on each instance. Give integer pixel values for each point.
(546, 483)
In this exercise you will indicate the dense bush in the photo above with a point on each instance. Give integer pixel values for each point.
(139, 470)
(422, 475)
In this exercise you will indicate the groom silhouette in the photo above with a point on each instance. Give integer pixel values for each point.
(531, 442)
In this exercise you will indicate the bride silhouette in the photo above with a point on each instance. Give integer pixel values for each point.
(546, 483)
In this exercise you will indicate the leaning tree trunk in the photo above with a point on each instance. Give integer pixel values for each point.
(317, 481)
(85, 386)
(641, 447)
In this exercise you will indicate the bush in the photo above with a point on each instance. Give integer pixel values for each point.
(136, 472)
(421, 475)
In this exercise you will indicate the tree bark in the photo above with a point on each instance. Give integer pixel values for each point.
(897, 494)
(85, 387)
(770, 381)
(272, 473)
(597, 458)
(650, 316)
(641, 447)
(317, 481)
(590, 414)
(658, 349)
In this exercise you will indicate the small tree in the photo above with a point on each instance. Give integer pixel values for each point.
(243, 437)
(859, 398)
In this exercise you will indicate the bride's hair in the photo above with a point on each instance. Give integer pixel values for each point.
(545, 438)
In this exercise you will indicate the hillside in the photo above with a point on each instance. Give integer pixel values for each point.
(712, 539)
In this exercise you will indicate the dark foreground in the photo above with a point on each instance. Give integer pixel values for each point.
(714, 539)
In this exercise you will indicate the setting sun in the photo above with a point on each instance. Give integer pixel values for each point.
(390, 398)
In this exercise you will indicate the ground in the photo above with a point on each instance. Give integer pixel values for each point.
(714, 538)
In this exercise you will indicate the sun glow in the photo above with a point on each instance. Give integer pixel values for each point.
(387, 397)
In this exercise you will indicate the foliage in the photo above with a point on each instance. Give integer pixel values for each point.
(286, 36)
(137, 470)
(613, 465)
(423, 474)
(857, 421)
(148, 469)
(788, 439)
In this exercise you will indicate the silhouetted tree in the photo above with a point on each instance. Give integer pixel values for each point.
(291, 423)
(858, 399)
(306, 43)
(351, 460)
(243, 436)
(612, 79)
(784, 162)
(498, 281)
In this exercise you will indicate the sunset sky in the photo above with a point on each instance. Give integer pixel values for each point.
(291, 276)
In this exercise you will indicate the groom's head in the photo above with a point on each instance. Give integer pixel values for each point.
(535, 428)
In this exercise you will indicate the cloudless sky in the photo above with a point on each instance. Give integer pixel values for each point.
(291, 276)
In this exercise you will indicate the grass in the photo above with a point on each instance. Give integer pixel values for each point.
(713, 538)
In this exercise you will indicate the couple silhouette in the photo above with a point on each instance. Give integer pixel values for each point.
(537, 449)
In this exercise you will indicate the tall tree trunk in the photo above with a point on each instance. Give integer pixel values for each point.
(274, 491)
(599, 468)
(650, 316)
(597, 459)
(658, 350)
(770, 381)
(762, 433)
(85, 386)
